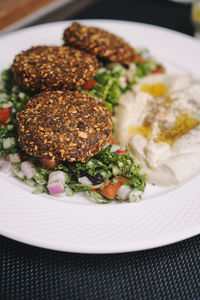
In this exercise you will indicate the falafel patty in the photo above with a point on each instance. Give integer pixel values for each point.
(63, 125)
(51, 67)
(99, 42)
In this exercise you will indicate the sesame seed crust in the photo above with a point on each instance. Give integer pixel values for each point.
(51, 67)
(99, 42)
(64, 125)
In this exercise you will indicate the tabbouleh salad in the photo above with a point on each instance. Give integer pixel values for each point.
(111, 174)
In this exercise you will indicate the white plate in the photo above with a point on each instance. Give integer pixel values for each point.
(166, 215)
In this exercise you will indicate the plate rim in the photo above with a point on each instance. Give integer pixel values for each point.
(84, 249)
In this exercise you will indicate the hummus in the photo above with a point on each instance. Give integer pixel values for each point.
(159, 121)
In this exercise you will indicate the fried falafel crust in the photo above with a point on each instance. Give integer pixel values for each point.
(99, 42)
(52, 67)
(64, 125)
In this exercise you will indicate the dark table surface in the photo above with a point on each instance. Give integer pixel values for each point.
(164, 13)
(170, 272)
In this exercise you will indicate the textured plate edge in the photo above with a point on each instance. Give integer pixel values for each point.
(98, 249)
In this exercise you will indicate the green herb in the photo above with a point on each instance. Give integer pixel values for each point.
(79, 187)
(103, 163)
(8, 80)
(115, 180)
(99, 199)
(17, 99)
(118, 199)
(143, 69)
(108, 88)
(5, 133)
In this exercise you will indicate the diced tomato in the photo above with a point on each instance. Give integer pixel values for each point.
(48, 163)
(94, 190)
(111, 141)
(121, 152)
(158, 70)
(89, 85)
(110, 190)
(4, 115)
(127, 80)
(138, 58)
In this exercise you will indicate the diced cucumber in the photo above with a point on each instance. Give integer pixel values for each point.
(116, 171)
(14, 158)
(120, 164)
(15, 89)
(68, 191)
(10, 127)
(39, 189)
(107, 174)
(3, 96)
(135, 196)
(30, 182)
(17, 172)
(39, 178)
(22, 95)
(8, 143)
(7, 104)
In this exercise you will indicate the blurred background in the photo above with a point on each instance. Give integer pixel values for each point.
(175, 15)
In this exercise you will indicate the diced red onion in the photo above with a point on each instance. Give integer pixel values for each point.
(57, 175)
(28, 169)
(56, 182)
(2, 161)
(5, 166)
(84, 180)
(55, 187)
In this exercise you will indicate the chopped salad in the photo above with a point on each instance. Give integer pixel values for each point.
(111, 174)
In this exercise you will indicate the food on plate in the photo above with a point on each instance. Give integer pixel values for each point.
(100, 43)
(159, 121)
(64, 125)
(52, 67)
(44, 157)
(114, 79)
(120, 65)
(59, 141)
